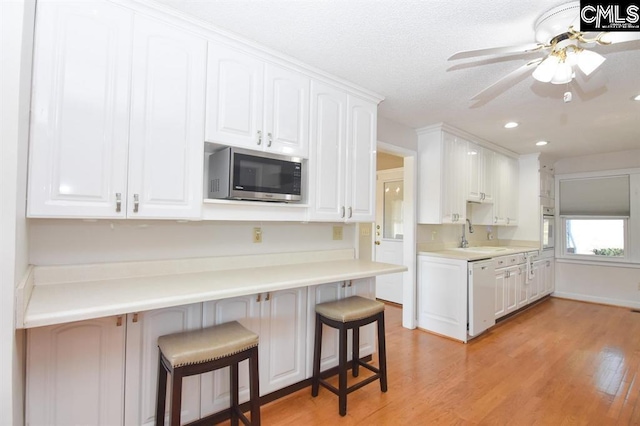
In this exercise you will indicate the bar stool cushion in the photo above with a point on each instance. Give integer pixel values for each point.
(350, 309)
(207, 344)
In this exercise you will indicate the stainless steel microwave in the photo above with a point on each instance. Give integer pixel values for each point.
(241, 174)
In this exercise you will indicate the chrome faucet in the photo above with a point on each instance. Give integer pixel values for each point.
(464, 243)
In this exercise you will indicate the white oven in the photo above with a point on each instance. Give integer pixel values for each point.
(548, 235)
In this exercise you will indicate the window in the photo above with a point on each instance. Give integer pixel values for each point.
(600, 238)
(595, 213)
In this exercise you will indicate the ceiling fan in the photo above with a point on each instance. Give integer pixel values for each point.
(565, 48)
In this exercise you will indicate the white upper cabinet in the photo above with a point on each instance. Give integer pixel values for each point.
(506, 200)
(342, 166)
(166, 147)
(86, 160)
(442, 177)
(361, 161)
(480, 173)
(255, 104)
(80, 110)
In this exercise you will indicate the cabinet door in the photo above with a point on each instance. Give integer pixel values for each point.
(80, 110)
(329, 355)
(487, 176)
(283, 331)
(143, 331)
(286, 112)
(75, 373)
(474, 171)
(535, 285)
(511, 289)
(454, 164)
(235, 88)
(513, 172)
(365, 287)
(361, 160)
(499, 293)
(215, 385)
(549, 277)
(167, 122)
(327, 158)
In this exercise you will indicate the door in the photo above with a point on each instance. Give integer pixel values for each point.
(75, 373)
(235, 91)
(80, 110)
(167, 122)
(143, 331)
(389, 231)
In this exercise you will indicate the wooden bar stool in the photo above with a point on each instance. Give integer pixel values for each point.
(349, 314)
(200, 351)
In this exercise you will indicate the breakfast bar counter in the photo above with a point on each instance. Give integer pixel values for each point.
(58, 294)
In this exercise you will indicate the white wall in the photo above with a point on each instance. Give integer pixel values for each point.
(397, 134)
(16, 35)
(616, 285)
(599, 162)
(59, 242)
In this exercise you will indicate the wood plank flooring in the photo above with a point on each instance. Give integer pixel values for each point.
(559, 363)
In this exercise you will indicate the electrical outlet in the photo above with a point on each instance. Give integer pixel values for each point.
(257, 235)
(365, 230)
(337, 232)
(433, 235)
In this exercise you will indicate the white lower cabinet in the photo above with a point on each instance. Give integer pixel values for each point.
(507, 285)
(104, 371)
(442, 296)
(76, 373)
(280, 320)
(327, 293)
(143, 330)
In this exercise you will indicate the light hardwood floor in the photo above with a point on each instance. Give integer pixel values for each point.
(559, 363)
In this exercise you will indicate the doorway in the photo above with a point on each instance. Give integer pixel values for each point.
(406, 160)
(389, 230)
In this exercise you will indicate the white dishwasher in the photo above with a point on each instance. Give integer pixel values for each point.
(481, 304)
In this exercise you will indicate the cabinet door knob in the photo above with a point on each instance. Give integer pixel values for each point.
(259, 298)
(269, 139)
(259, 137)
(118, 202)
(350, 212)
(136, 202)
(268, 296)
(342, 213)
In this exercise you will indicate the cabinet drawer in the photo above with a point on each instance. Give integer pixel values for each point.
(510, 260)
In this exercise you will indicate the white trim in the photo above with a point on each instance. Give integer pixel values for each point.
(600, 300)
(604, 173)
(409, 293)
(610, 264)
(468, 136)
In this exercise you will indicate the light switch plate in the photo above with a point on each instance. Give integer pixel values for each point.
(337, 232)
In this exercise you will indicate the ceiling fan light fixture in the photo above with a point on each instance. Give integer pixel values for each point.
(589, 61)
(545, 71)
(563, 74)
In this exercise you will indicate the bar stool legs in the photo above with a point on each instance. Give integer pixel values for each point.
(339, 315)
(200, 351)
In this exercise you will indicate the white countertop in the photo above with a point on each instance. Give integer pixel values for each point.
(477, 253)
(68, 297)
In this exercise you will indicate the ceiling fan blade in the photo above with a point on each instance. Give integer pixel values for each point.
(525, 48)
(619, 37)
(506, 81)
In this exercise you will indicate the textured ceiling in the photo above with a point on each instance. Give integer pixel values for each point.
(399, 49)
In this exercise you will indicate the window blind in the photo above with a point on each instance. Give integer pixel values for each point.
(601, 196)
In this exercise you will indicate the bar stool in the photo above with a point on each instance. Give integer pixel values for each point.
(349, 314)
(200, 351)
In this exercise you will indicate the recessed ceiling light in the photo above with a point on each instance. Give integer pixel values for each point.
(541, 143)
(636, 98)
(511, 125)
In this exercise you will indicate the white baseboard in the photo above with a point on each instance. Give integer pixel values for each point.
(595, 299)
